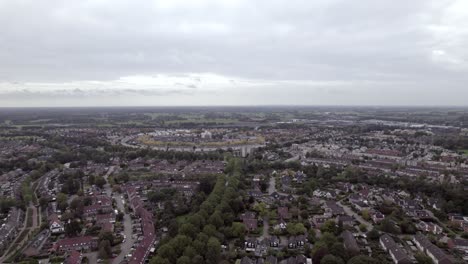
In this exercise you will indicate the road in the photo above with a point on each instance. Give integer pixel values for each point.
(350, 212)
(293, 159)
(35, 224)
(129, 241)
(266, 226)
(272, 185)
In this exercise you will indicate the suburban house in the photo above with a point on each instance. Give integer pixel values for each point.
(398, 254)
(85, 243)
(437, 255)
(350, 243)
(459, 244)
(55, 225)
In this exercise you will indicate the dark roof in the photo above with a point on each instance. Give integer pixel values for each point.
(271, 260)
(438, 253)
(349, 241)
(387, 241)
(400, 255)
(247, 260)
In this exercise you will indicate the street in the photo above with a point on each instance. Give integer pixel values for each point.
(350, 212)
(126, 246)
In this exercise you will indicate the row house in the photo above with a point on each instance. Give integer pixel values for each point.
(297, 241)
(85, 243)
(350, 243)
(397, 253)
(9, 230)
(437, 255)
(459, 244)
(430, 227)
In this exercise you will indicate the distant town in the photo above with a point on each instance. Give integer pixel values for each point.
(243, 185)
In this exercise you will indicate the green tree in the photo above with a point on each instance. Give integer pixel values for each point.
(166, 251)
(362, 259)
(326, 241)
(159, 260)
(363, 227)
(373, 234)
(62, 202)
(72, 228)
(184, 260)
(295, 229)
(106, 235)
(329, 227)
(238, 230)
(330, 259)
(216, 219)
(422, 258)
(100, 182)
(188, 230)
(213, 251)
(190, 252)
(105, 250)
(365, 214)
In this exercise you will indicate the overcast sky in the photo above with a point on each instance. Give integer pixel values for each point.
(233, 52)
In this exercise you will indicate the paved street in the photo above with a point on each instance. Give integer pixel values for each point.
(350, 212)
(272, 185)
(127, 245)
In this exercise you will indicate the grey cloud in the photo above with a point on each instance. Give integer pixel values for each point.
(388, 43)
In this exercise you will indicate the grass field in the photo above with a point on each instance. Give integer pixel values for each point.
(464, 151)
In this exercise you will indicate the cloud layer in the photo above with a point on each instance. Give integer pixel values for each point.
(203, 52)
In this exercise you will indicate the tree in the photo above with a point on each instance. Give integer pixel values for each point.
(338, 250)
(184, 260)
(237, 230)
(365, 214)
(373, 234)
(295, 229)
(216, 219)
(363, 227)
(120, 216)
(388, 226)
(159, 260)
(43, 202)
(261, 208)
(77, 205)
(326, 240)
(91, 179)
(311, 236)
(6, 204)
(198, 260)
(105, 250)
(179, 243)
(100, 182)
(329, 227)
(362, 259)
(318, 254)
(188, 230)
(422, 258)
(62, 202)
(330, 259)
(213, 251)
(190, 252)
(73, 228)
(166, 251)
(106, 235)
